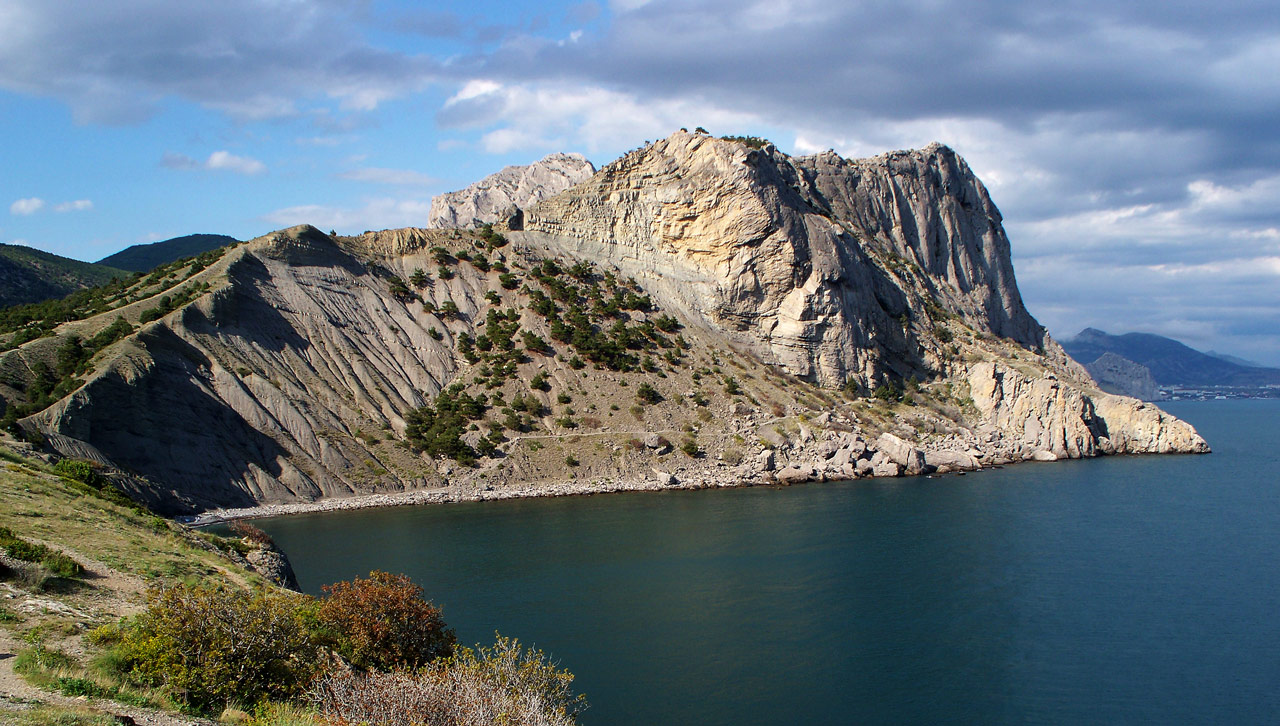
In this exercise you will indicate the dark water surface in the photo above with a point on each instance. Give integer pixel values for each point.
(1118, 590)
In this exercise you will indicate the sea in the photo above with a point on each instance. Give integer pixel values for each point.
(1118, 590)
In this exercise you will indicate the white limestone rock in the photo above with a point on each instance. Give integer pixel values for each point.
(492, 198)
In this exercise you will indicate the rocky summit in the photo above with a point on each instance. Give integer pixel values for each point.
(513, 188)
(699, 312)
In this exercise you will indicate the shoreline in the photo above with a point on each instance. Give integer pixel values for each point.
(898, 460)
(456, 495)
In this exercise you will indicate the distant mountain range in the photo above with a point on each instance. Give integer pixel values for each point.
(144, 258)
(1170, 363)
(29, 275)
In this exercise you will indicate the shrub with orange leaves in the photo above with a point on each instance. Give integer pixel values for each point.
(383, 622)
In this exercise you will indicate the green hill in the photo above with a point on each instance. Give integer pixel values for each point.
(29, 275)
(144, 258)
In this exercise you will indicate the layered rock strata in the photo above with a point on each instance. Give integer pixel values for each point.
(823, 317)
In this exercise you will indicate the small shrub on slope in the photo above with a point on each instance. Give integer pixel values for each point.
(216, 645)
(383, 621)
(504, 684)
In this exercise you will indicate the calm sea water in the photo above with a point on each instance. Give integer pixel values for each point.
(1118, 590)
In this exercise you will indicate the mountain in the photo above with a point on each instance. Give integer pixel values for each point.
(514, 186)
(699, 312)
(1123, 377)
(1234, 359)
(1171, 363)
(29, 275)
(144, 258)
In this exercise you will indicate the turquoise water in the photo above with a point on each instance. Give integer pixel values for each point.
(1118, 590)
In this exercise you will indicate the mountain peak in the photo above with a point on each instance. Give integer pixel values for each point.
(715, 286)
(489, 199)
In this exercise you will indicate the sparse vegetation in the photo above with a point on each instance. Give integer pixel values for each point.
(754, 142)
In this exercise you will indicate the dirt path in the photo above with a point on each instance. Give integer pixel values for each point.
(18, 698)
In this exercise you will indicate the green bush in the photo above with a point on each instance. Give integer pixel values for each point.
(647, 394)
(57, 563)
(80, 470)
(210, 645)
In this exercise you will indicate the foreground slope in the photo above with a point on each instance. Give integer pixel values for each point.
(699, 312)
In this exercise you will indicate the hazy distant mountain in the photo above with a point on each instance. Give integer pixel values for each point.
(1234, 359)
(144, 258)
(1171, 363)
(29, 275)
(1116, 374)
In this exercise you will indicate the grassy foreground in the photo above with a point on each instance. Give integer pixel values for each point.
(111, 615)
(53, 616)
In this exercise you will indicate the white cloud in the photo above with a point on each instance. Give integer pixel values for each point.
(559, 116)
(25, 207)
(374, 175)
(378, 213)
(79, 205)
(117, 62)
(225, 160)
(217, 161)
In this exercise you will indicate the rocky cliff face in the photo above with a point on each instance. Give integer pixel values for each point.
(489, 199)
(697, 312)
(831, 266)
(1119, 375)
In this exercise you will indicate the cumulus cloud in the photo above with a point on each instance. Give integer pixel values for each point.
(79, 205)
(25, 207)
(375, 175)
(555, 116)
(217, 161)
(377, 213)
(1138, 137)
(253, 59)
(230, 162)
(1131, 147)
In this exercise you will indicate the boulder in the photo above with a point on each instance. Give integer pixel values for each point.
(773, 437)
(796, 475)
(883, 465)
(901, 453)
(766, 460)
(828, 449)
(951, 460)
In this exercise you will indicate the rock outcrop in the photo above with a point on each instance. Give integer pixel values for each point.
(1121, 376)
(1027, 418)
(493, 198)
(779, 319)
(832, 267)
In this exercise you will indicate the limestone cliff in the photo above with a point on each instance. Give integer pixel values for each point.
(828, 265)
(697, 312)
(1119, 375)
(490, 198)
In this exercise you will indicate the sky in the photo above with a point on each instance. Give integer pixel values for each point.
(1132, 147)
